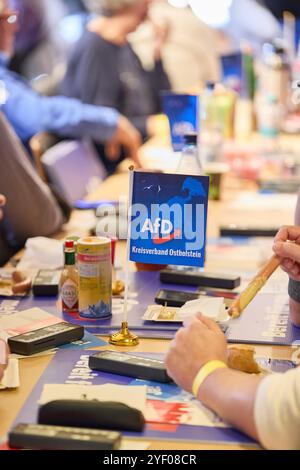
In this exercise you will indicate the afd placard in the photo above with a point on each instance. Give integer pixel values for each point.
(168, 219)
(183, 114)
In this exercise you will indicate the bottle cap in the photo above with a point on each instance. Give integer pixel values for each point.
(69, 244)
(191, 139)
(210, 85)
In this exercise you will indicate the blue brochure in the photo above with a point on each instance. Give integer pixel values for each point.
(183, 114)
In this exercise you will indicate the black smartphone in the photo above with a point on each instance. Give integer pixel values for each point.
(88, 205)
(190, 277)
(243, 231)
(45, 338)
(173, 298)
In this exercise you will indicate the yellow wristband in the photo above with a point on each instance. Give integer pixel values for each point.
(204, 372)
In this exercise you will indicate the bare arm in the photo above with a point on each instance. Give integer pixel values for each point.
(231, 395)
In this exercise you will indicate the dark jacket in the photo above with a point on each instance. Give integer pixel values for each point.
(278, 7)
(102, 73)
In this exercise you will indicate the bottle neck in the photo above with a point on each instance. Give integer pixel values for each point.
(70, 258)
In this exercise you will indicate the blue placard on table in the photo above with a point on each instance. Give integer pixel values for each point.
(168, 219)
(183, 115)
(265, 321)
(232, 70)
(71, 367)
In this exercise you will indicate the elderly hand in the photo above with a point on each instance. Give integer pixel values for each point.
(4, 352)
(2, 203)
(287, 247)
(199, 342)
(161, 33)
(126, 136)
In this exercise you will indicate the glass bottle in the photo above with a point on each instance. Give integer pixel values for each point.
(210, 135)
(276, 74)
(269, 116)
(190, 163)
(69, 280)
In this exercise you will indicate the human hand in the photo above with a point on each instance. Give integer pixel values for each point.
(287, 247)
(198, 343)
(2, 203)
(128, 137)
(21, 283)
(161, 33)
(4, 352)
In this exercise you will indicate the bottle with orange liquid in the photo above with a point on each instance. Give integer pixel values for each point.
(69, 280)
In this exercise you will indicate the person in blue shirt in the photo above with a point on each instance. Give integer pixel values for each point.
(30, 113)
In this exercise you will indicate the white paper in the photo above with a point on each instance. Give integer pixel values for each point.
(134, 397)
(48, 352)
(25, 321)
(211, 307)
(11, 378)
(42, 253)
(134, 445)
(157, 313)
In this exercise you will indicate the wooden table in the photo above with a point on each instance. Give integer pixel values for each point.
(31, 369)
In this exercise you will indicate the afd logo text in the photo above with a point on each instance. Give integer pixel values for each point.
(163, 224)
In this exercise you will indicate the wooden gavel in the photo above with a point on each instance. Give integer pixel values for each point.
(244, 299)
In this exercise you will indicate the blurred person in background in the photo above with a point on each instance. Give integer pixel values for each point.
(38, 46)
(190, 52)
(104, 70)
(29, 209)
(47, 30)
(30, 113)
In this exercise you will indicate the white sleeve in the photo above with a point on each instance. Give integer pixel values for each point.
(277, 411)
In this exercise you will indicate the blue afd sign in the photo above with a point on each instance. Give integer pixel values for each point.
(182, 112)
(168, 219)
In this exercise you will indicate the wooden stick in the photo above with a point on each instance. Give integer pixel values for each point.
(244, 299)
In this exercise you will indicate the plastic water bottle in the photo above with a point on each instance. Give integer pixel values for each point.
(190, 163)
(276, 73)
(210, 135)
(269, 114)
